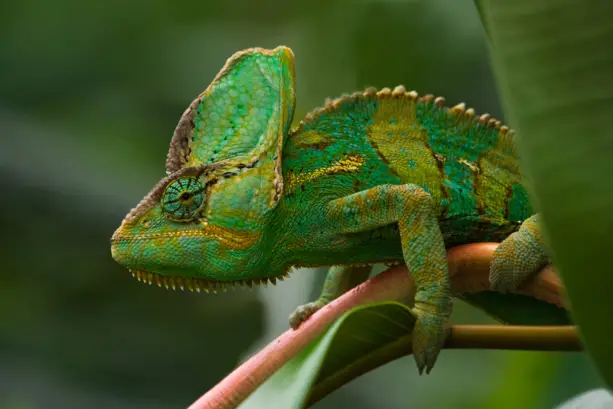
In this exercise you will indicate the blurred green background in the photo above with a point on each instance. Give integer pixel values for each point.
(90, 93)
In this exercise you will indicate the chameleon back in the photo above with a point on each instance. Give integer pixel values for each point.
(467, 163)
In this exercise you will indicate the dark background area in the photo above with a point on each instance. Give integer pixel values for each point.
(90, 93)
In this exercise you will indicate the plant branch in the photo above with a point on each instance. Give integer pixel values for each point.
(468, 269)
(508, 337)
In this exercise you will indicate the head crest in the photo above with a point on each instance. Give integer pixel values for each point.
(238, 124)
(243, 113)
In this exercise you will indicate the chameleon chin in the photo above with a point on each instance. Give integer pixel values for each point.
(375, 176)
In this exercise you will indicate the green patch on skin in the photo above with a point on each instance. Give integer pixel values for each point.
(231, 119)
(519, 204)
(462, 198)
(427, 189)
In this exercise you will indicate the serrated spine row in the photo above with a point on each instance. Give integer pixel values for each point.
(201, 284)
(401, 92)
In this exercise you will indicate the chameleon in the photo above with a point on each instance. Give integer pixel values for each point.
(377, 176)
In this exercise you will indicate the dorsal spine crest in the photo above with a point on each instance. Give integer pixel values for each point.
(459, 110)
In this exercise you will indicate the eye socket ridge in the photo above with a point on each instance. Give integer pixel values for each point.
(183, 198)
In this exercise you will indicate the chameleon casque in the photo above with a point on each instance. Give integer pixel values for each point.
(373, 177)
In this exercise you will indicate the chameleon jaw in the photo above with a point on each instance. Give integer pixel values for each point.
(201, 284)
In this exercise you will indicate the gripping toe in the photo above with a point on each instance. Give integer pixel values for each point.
(517, 258)
(303, 312)
(429, 335)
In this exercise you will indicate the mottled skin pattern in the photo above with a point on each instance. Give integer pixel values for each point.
(377, 176)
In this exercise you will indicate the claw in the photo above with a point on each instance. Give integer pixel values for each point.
(421, 364)
(429, 335)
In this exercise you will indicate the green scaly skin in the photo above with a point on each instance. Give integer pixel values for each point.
(377, 176)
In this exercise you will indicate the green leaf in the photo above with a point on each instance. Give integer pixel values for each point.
(554, 64)
(355, 337)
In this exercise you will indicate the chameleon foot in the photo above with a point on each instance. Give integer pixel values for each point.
(303, 312)
(429, 334)
(517, 258)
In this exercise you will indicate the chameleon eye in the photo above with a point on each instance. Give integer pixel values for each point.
(183, 198)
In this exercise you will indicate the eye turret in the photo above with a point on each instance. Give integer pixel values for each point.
(183, 198)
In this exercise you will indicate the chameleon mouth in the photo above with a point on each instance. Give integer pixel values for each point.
(202, 284)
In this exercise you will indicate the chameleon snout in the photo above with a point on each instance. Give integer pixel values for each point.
(119, 250)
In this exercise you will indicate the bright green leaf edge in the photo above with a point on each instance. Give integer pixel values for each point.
(554, 64)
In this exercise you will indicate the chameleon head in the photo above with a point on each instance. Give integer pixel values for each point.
(174, 238)
(204, 225)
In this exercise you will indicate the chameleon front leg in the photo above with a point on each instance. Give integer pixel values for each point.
(414, 211)
(518, 257)
(339, 280)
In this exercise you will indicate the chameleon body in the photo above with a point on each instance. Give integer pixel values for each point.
(377, 176)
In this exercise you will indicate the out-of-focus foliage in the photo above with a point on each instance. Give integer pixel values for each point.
(554, 62)
(90, 93)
